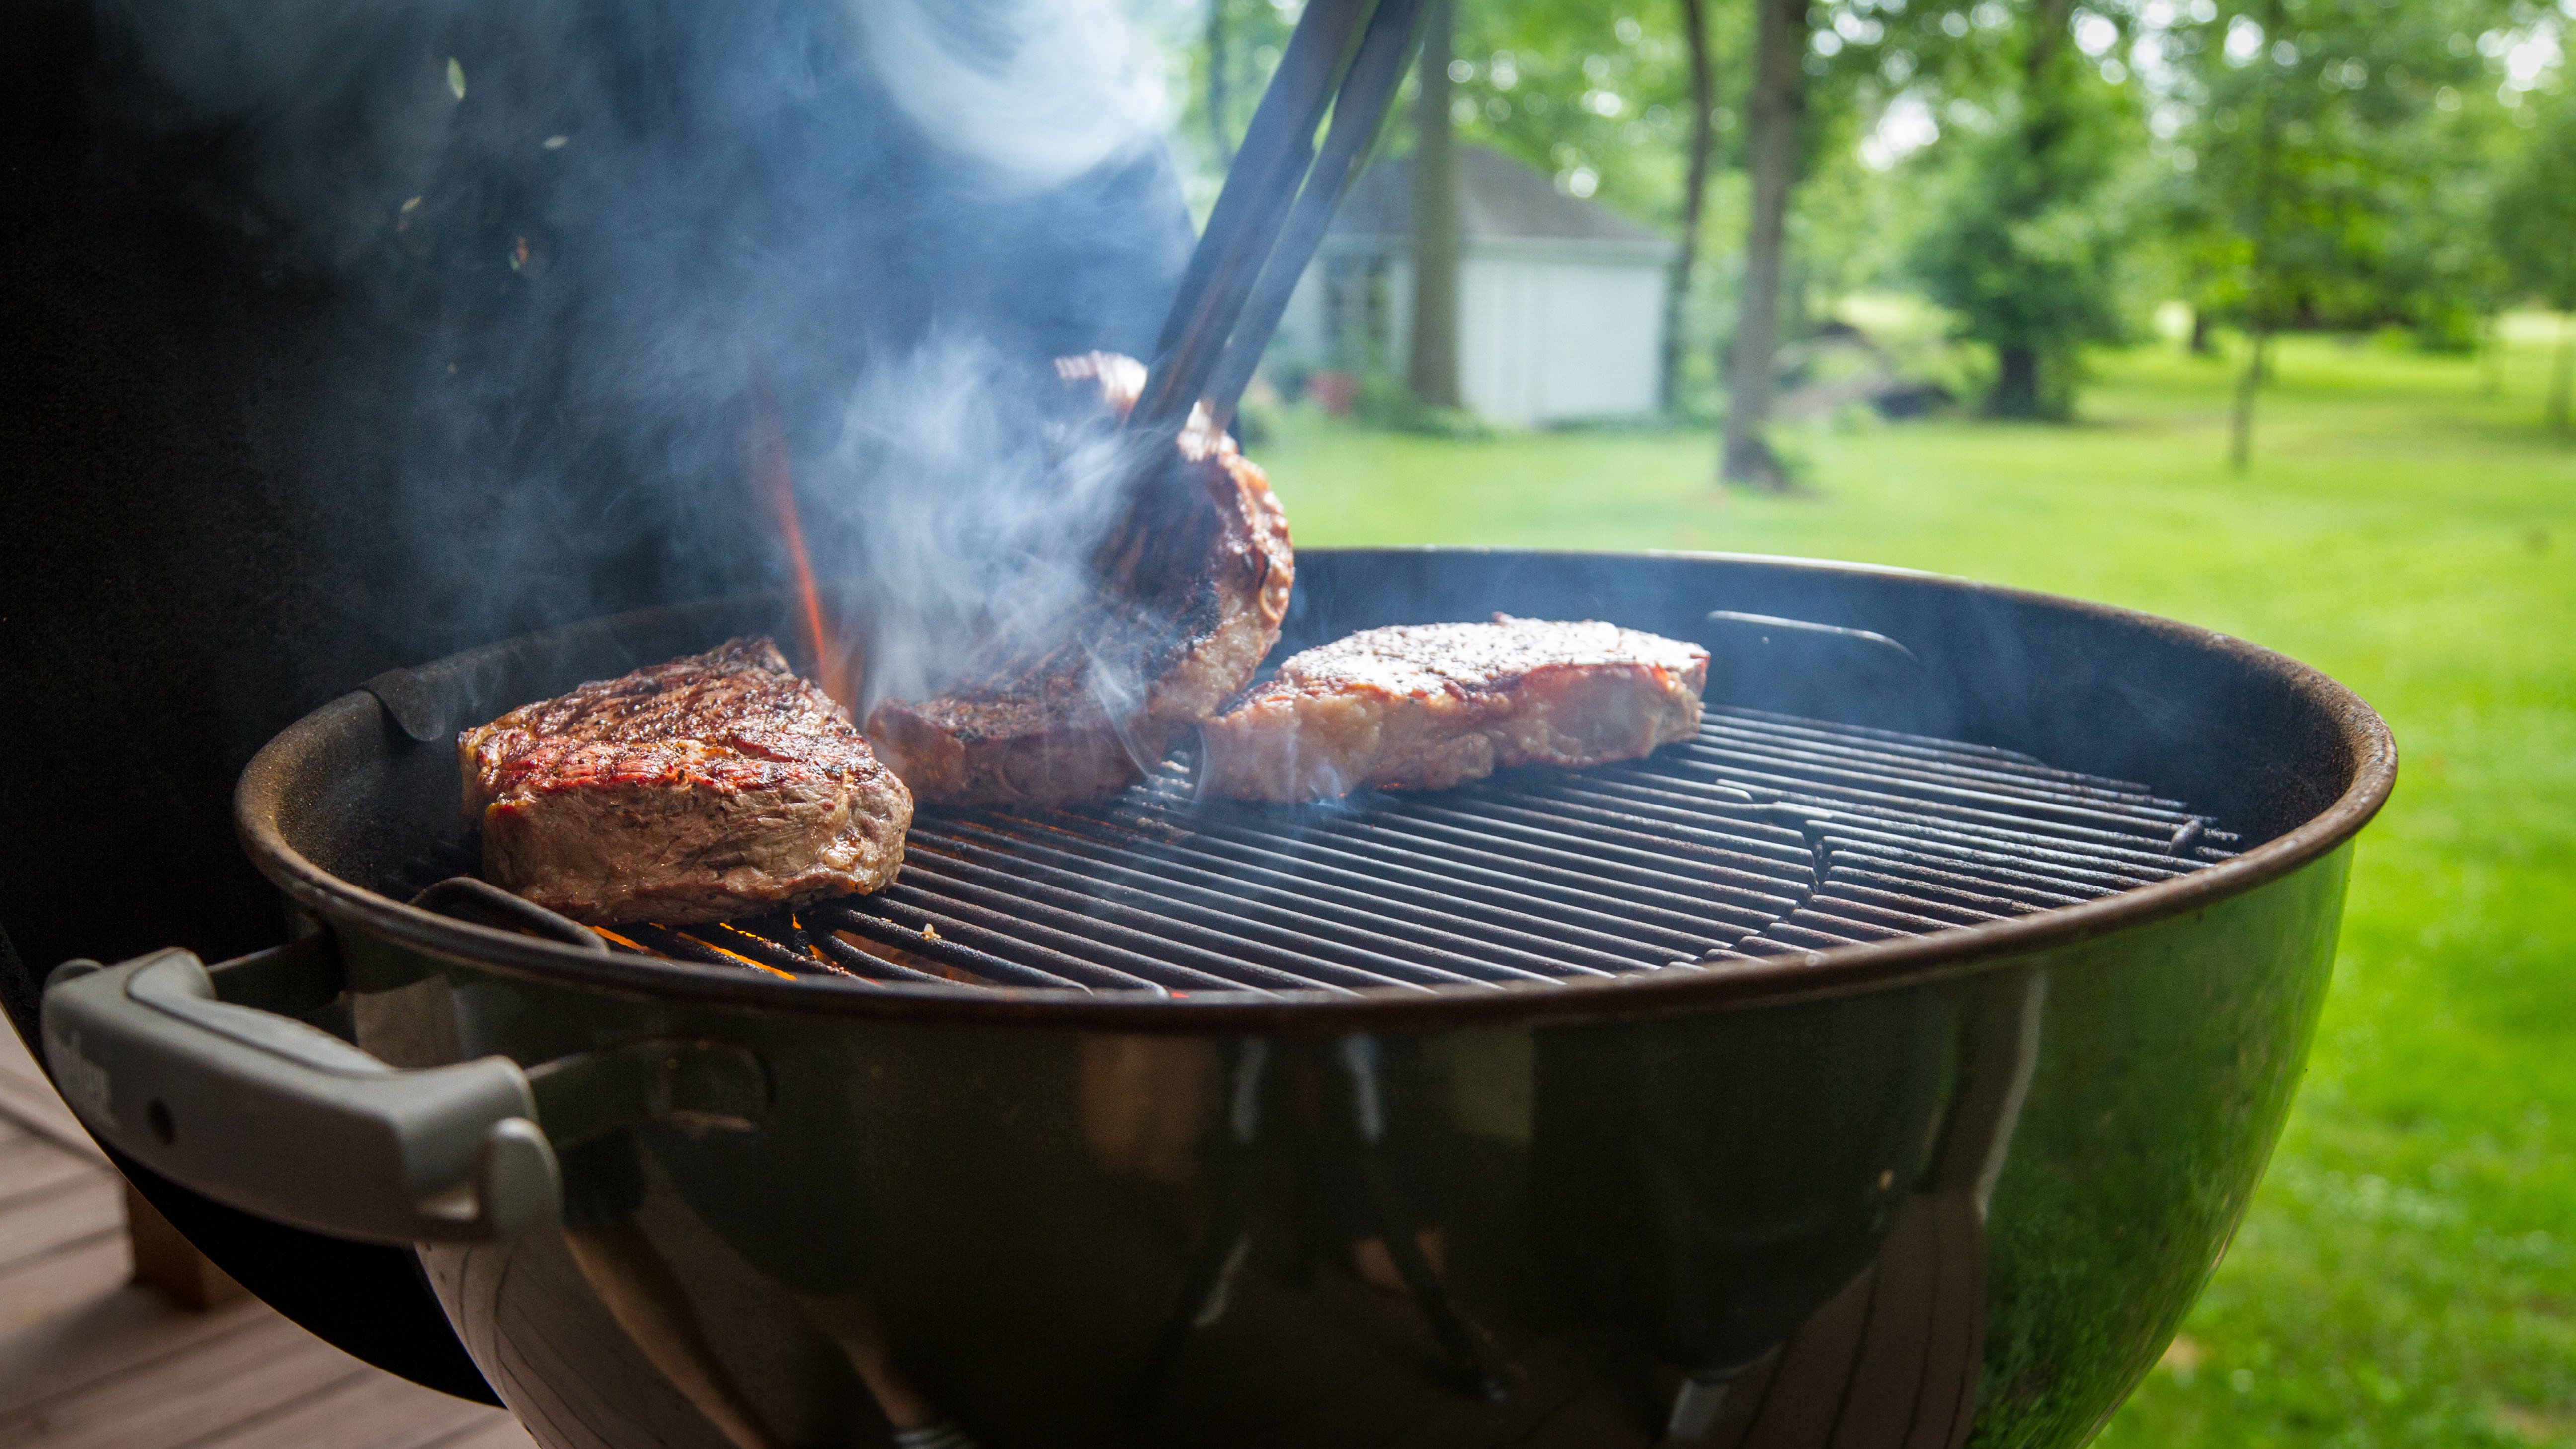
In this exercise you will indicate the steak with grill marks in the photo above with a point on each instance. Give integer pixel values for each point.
(1193, 580)
(1428, 706)
(712, 786)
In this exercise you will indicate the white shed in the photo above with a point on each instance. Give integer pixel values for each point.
(1560, 299)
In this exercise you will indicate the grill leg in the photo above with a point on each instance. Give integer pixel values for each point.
(1221, 1247)
(1359, 1056)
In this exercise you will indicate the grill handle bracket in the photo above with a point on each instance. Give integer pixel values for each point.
(466, 898)
(278, 1118)
(408, 700)
(1792, 666)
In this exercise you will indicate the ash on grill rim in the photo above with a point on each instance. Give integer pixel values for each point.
(2366, 748)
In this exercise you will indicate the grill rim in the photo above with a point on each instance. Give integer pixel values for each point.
(279, 772)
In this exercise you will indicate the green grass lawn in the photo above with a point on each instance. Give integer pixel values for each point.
(2408, 1272)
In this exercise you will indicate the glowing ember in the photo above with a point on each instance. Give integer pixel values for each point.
(736, 957)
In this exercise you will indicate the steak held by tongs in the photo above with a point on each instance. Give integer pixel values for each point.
(712, 786)
(1191, 583)
(1428, 706)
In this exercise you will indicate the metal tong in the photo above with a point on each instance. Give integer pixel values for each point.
(1278, 198)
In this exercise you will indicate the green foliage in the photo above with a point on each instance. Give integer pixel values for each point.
(1252, 33)
(2008, 220)
(1848, 223)
(1386, 402)
(2018, 242)
(2294, 163)
(1597, 95)
(1922, 343)
(2533, 215)
(2322, 173)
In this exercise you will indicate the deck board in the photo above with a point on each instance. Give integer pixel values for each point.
(90, 1359)
(61, 1281)
(117, 1330)
(362, 1411)
(74, 1211)
(497, 1431)
(31, 1167)
(28, 1102)
(233, 1380)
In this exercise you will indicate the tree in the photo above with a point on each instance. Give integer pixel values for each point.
(1230, 59)
(1432, 363)
(1599, 95)
(2534, 226)
(2309, 142)
(1703, 144)
(2264, 279)
(2020, 243)
(1775, 107)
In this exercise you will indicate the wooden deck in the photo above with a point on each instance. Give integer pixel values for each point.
(91, 1359)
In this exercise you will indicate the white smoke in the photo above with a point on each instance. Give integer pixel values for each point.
(963, 500)
(1039, 91)
(567, 237)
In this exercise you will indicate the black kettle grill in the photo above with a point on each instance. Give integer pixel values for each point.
(1820, 1075)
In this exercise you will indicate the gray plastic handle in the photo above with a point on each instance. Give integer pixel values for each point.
(287, 1121)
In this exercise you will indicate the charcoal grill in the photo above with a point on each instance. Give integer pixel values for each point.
(1887, 1064)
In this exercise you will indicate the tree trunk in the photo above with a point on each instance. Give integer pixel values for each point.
(2259, 297)
(1219, 131)
(2016, 391)
(2200, 331)
(1703, 141)
(2240, 426)
(1777, 104)
(1433, 361)
(2562, 378)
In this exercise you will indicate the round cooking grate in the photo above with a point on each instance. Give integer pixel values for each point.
(1768, 835)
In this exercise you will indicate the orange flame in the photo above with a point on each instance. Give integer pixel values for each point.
(777, 488)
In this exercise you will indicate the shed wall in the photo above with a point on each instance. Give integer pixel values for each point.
(1542, 341)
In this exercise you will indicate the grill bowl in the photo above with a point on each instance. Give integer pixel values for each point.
(1894, 1192)
(2294, 763)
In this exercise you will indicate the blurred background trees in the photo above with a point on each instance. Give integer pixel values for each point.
(2038, 177)
(2533, 231)
(2020, 239)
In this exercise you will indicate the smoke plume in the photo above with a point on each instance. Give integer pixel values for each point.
(562, 240)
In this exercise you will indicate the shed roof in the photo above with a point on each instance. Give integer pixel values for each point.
(1500, 199)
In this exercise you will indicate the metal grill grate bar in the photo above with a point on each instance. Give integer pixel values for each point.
(1767, 835)
(1175, 913)
(1141, 875)
(1463, 871)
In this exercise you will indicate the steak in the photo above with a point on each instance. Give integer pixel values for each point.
(712, 786)
(1192, 583)
(1428, 706)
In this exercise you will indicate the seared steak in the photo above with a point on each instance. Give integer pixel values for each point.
(1428, 706)
(1193, 582)
(707, 787)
